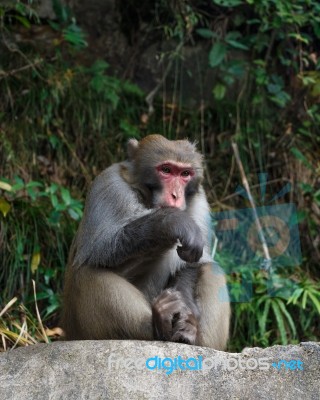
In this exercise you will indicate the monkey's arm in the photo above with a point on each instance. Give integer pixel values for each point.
(116, 227)
(185, 281)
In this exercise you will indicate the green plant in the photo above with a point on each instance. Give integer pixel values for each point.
(274, 307)
(63, 120)
(17, 12)
(38, 222)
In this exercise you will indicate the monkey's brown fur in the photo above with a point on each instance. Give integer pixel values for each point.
(126, 278)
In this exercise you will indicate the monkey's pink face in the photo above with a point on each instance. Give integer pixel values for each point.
(174, 178)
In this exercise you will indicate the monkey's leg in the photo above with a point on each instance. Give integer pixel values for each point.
(173, 319)
(175, 312)
(195, 308)
(100, 304)
(213, 301)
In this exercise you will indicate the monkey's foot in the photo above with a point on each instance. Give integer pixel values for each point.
(172, 319)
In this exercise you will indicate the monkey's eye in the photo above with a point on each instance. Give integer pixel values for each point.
(185, 173)
(165, 169)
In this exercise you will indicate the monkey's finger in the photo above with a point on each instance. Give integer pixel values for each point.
(162, 326)
(190, 255)
(185, 329)
(184, 337)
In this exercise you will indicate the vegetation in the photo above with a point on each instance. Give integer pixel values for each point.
(64, 118)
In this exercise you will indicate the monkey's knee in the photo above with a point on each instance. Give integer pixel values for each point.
(214, 305)
(102, 305)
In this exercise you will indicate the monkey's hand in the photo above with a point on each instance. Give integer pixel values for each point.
(172, 319)
(180, 226)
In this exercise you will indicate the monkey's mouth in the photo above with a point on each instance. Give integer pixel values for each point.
(168, 205)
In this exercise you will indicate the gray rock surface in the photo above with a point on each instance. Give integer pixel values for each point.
(85, 370)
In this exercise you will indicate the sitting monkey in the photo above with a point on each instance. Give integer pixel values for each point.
(139, 266)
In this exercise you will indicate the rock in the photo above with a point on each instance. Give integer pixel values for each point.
(85, 370)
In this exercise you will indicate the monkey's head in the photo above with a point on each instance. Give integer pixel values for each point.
(168, 173)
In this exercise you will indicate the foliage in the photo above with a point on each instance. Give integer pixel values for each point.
(34, 215)
(277, 307)
(64, 117)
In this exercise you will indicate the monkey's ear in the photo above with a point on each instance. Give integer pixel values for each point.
(132, 148)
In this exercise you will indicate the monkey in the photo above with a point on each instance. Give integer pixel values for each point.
(140, 266)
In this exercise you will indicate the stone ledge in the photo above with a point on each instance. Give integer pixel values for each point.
(82, 370)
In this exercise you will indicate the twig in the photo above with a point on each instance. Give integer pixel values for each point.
(38, 314)
(5, 74)
(74, 154)
(22, 331)
(230, 196)
(13, 48)
(4, 344)
(150, 97)
(254, 210)
(229, 178)
(6, 308)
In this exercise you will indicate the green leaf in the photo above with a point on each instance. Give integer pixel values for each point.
(4, 206)
(54, 201)
(228, 3)
(50, 309)
(73, 214)
(217, 54)
(52, 188)
(233, 35)
(65, 194)
(306, 187)
(263, 319)
(206, 33)
(304, 299)
(61, 207)
(129, 130)
(54, 25)
(5, 186)
(219, 91)
(315, 91)
(62, 12)
(23, 21)
(299, 156)
(316, 196)
(18, 185)
(131, 88)
(236, 68)
(54, 141)
(112, 97)
(281, 98)
(274, 88)
(32, 193)
(78, 211)
(315, 301)
(74, 35)
(288, 316)
(32, 184)
(99, 66)
(35, 261)
(295, 296)
(280, 322)
(237, 45)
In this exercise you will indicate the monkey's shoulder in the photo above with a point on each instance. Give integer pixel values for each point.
(111, 189)
(116, 176)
